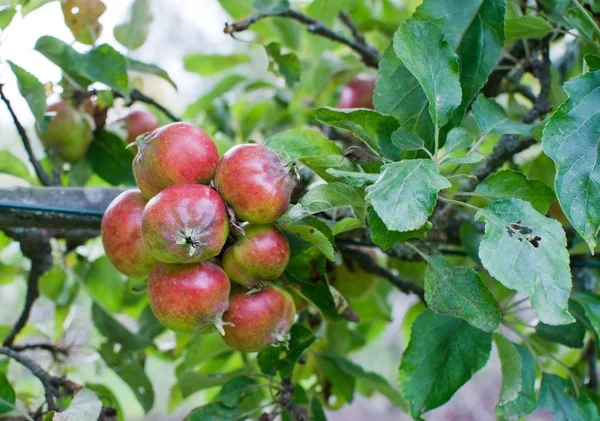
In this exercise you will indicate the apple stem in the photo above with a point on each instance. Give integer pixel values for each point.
(219, 324)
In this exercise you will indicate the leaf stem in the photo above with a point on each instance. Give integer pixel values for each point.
(458, 203)
(418, 251)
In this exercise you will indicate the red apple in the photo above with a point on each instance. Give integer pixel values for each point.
(122, 235)
(139, 122)
(255, 182)
(255, 321)
(184, 224)
(178, 153)
(189, 298)
(358, 93)
(70, 132)
(261, 254)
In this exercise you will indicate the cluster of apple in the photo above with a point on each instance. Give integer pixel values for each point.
(174, 230)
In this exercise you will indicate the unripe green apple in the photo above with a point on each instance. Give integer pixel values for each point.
(69, 133)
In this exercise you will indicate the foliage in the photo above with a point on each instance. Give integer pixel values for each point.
(472, 183)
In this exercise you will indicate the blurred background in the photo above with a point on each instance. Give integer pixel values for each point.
(248, 90)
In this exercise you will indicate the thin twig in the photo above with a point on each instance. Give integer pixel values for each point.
(39, 171)
(369, 265)
(347, 20)
(48, 381)
(369, 55)
(38, 250)
(54, 349)
(135, 96)
(141, 97)
(589, 355)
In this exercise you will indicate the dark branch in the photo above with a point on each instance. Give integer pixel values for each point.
(38, 250)
(369, 265)
(39, 171)
(369, 55)
(48, 381)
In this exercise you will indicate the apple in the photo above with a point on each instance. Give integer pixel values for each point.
(121, 231)
(358, 93)
(255, 182)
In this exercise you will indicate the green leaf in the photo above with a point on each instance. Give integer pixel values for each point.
(223, 86)
(214, 412)
(28, 6)
(10, 164)
(507, 184)
(538, 268)
(470, 158)
(306, 271)
(133, 33)
(399, 94)
(130, 367)
(313, 236)
(517, 394)
(110, 159)
(111, 329)
(106, 65)
(286, 65)
(526, 27)
(101, 64)
(32, 90)
(6, 16)
(591, 307)
(107, 397)
(343, 382)
(85, 406)
(556, 395)
(212, 64)
(275, 359)
(139, 66)
(571, 335)
(406, 193)
(271, 6)
(406, 140)
(475, 30)
(372, 127)
(422, 49)
(325, 197)
(592, 61)
(105, 283)
(492, 119)
(458, 139)
(65, 57)
(7, 394)
(571, 140)
(234, 391)
(354, 179)
(312, 149)
(386, 239)
(459, 292)
(316, 410)
(442, 355)
(345, 225)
